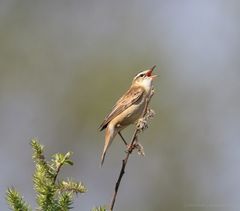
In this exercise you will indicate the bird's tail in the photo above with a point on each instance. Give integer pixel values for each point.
(110, 134)
(103, 158)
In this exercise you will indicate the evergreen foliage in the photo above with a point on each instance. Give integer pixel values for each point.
(99, 209)
(51, 194)
(15, 200)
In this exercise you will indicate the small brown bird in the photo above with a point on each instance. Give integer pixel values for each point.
(129, 108)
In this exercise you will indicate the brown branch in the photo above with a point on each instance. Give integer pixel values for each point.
(57, 172)
(129, 151)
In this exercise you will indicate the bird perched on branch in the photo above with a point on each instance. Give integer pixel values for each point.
(129, 108)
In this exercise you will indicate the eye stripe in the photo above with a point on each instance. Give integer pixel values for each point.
(141, 75)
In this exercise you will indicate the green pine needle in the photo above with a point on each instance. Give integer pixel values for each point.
(71, 186)
(15, 200)
(51, 195)
(99, 209)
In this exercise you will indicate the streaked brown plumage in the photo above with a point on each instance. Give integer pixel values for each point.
(128, 109)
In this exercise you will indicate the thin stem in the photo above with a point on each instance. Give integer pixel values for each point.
(130, 149)
(57, 172)
(122, 171)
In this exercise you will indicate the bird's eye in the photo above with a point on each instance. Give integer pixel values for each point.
(142, 75)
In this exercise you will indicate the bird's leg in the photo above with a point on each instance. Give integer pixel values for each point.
(135, 145)
(124, 141)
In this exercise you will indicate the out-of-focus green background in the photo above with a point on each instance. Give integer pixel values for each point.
(63, 64)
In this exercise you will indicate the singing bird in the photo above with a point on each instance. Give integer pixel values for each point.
(129, 108)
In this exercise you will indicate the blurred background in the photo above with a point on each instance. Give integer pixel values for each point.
(64, 63)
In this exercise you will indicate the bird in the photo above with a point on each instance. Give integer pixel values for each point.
(128, 109)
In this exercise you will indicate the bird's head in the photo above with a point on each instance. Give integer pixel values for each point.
(144, 78)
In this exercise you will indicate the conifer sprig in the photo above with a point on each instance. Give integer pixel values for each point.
(51, 195)
(15, 200)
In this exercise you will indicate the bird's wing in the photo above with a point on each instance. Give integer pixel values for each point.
(128, 99)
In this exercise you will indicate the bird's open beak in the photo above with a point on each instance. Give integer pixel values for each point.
(149, 73)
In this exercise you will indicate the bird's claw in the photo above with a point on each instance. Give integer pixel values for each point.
(130, 148)
(136, 145)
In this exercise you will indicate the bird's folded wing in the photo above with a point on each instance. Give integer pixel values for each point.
(128, 99)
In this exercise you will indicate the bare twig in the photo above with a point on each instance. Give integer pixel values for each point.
(131, 147)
